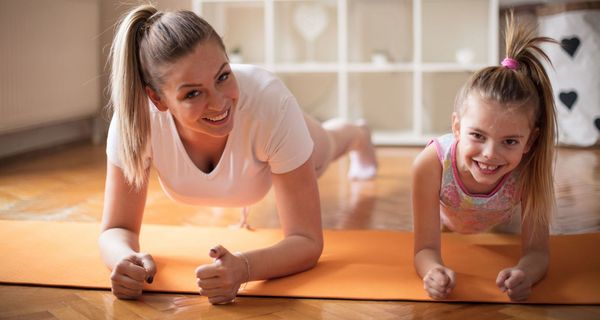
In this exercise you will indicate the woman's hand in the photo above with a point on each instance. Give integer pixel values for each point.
(128, 275)
(439, 282)
(221, 280)
(119, 239)
(515, 283)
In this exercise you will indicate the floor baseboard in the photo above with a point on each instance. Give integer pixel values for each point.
(39, 138)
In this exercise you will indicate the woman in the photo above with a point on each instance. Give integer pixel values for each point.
(218, 135)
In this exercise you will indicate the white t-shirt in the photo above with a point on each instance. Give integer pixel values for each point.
(269, 135)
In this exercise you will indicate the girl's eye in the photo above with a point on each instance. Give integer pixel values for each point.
(511, 142)
(476, 135)
(192, 94)
(224, 76)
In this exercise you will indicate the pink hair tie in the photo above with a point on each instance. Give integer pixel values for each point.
(510, 63)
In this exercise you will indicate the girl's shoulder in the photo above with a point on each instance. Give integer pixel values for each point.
(443, 146)
(444, 141)
(427, 161)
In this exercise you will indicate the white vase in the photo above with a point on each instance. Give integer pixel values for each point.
(310, 20)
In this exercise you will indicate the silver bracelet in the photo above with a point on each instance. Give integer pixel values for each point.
(243, 257)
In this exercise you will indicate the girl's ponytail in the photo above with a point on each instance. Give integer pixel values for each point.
(537, 171)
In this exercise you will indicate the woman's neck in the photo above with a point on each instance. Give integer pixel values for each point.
(204, 150)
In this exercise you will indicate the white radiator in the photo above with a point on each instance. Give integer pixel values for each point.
(50, 62)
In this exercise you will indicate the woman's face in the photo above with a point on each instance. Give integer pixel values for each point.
(200, 91)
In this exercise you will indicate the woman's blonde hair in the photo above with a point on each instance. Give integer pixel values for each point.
(525, 86)
(147, 40)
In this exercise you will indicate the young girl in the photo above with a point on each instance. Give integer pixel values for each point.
(496, 164)
(218, 135)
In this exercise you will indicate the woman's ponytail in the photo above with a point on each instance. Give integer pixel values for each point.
(128, 96)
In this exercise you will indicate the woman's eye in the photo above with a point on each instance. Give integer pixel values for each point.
(192, 94)
(511, 142)
(224, 76)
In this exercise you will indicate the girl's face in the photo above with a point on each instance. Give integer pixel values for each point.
(492, 140)
(200, 91)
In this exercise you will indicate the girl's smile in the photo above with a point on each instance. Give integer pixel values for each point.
(487, 169)
(492, 139)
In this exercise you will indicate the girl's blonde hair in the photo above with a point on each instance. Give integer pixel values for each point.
(146, 41)
(526, 87)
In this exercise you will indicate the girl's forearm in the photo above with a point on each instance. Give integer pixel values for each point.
(115, 243)
(534, 264)
(291, 255)
(426, 259)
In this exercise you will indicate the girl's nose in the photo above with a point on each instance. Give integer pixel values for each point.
(489, 150)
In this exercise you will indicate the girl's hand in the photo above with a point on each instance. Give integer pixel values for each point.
(221, 280)
(128, 275)
(439, 282)
(515, 283)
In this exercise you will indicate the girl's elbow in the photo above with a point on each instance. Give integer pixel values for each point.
(316, 253)
(310, 263)
(313, 255)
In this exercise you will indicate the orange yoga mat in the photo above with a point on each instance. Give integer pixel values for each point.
(370, 265)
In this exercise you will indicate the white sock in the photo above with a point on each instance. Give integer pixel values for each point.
(358, 170)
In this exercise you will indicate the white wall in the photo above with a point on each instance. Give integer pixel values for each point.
(49, 62)
(49, 72)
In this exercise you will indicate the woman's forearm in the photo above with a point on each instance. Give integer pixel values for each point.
(291, 255)
(116, 243)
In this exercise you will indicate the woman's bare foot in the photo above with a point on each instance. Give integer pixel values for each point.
(243, 220)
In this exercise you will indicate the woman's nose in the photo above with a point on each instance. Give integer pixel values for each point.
(217, 101)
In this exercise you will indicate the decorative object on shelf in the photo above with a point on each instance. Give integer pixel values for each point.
(575, 74)
(380, 57)
(464, 56)
(235, 55)
(340, 56)
(310, 20)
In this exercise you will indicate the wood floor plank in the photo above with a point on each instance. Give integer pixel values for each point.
(44, 315)
(67, 185)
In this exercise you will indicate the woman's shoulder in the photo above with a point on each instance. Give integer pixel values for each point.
(252, 76)
(247, 68)
(261, 92)
(159, 120)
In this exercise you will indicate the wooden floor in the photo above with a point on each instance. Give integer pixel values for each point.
(66, 184)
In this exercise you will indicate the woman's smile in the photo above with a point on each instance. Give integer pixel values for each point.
(218, 119)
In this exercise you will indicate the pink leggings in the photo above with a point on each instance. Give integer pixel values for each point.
(324, 149)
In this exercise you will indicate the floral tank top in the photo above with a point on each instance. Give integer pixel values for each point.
(464, 212)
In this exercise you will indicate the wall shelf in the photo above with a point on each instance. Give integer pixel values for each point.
(396, 63)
